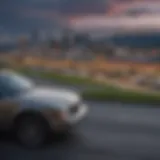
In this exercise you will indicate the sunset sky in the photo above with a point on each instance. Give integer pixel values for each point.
(122, 14)
(26, 15)
(21, 15)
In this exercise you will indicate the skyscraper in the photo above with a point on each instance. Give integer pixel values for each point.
(35, 37)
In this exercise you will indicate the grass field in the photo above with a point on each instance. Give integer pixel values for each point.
(104, 93)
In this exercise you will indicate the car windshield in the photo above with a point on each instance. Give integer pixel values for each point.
(14, 84)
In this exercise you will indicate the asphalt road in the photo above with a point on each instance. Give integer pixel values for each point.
(111, 131)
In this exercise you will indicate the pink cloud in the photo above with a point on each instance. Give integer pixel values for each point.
(118, 7)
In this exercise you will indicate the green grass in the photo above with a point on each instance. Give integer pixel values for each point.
(61, 78)
(104, 93)
(121, 96)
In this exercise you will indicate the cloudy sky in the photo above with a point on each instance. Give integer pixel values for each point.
(26, 15)
(126, 13)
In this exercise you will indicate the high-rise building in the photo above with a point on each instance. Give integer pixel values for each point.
(35, 37)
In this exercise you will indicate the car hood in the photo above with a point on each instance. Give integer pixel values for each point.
(47, 97)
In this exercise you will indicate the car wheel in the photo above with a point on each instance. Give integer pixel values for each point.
(31, 131)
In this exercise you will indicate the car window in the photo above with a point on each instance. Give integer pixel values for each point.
(1, 95)
(13, 84)
(2, 91)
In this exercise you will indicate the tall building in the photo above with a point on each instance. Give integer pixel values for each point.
(35, 37)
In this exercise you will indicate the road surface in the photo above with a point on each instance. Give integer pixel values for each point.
(111, 131)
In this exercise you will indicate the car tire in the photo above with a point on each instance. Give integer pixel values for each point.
(31, 131)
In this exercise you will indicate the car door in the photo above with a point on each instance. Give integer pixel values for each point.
(7, 108)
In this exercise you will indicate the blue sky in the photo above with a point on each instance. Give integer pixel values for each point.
(26, 15)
